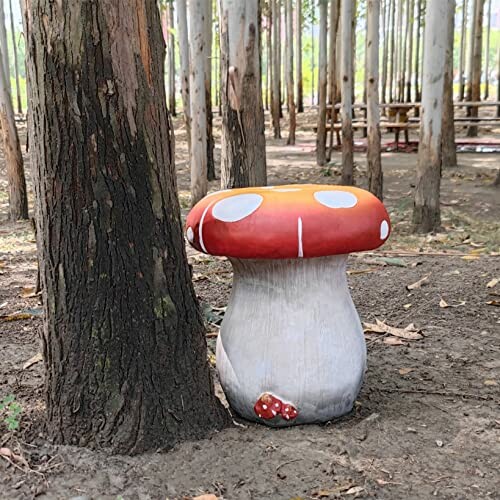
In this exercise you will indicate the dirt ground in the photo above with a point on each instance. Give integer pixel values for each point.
(426, 423)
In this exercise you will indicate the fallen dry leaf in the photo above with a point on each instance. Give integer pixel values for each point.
(471, 257)
(28, 292)
(490, 382)
(407, 306)
(354, 490)
(493, 303)
(15, 316)
(493, 283)
(33, 360)
(419, 283)
(408, 333)
(205, 497)
(393, 341)
(443, 304)
(405, 371)
(14, 457)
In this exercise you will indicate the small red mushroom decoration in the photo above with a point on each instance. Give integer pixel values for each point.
(267, 406)
(289, 412)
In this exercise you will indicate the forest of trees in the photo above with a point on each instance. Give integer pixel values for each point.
(102, 159)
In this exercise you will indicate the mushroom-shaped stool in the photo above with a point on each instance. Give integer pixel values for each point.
(291, 348)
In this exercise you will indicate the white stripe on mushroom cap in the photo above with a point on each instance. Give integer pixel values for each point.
(237, 207)
(190, 234)
(336, 199)
(384, 230)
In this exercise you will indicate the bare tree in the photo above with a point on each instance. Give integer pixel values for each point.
(4, 47)
(197, 96)
(322, 82)
(16, 63)
(410, 14)
(289, 72)
(385, 50)
(208, 91)
(463, 40)
(243, 157)
(298, 57)
(449, 148)
(418, 96)
(375, 177)
(182, 34)
(487, 54)
(18, 198)
(347, 13)
(333, 71)
(392, 50)
(426, 209)
(276, 78)
(470, 52)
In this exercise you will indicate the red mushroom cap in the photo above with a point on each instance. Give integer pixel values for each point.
(267, 406)
(286, 222)
(289, 412)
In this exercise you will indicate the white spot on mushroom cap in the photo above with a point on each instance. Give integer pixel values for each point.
(236, 207)
(264, 407)
(384, 230)
(190, 234)
(336, 199)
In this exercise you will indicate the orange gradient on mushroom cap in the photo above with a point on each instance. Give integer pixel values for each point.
(286, 222)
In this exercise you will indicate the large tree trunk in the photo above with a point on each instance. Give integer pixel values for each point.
(487, 55)
(322, 82)
(275, 94)
(18, 198)
(171, 57)
(16, 63)
(243, 160)
(449, 147)
(426, 209)
(463, 39)
(298, 58)
(375, 180)
(289, 73)
(123, 340)
(208, 90)
(476, 64)
(182, 33)
(4, 47)
(409, 60)
(197, 95)
(347, 9)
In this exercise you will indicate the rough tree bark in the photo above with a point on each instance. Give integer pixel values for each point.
(171, 56)
(322, 82)
(182, 33)
(275, 93)
(426, 209)
(463, 39)
(18, 198)
(208, 90)
(487, 54)
(123, 340)
(449, 148)
(298, 57)
(16, 62)
(476, 64)
(289, 73)
(4, 47)
(243, 157)
(197, 95)
(347, 12)
(375, 179)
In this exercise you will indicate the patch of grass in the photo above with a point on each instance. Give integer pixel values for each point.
(10, 412)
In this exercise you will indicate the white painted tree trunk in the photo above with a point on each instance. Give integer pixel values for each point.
(347, 14)
(4, 47)
(426, 210)
(243, 145)
(322, 83)
(18, 200)
(197, 55)
(289, 72)
(375, 182)
(314, 361)
(182, 35)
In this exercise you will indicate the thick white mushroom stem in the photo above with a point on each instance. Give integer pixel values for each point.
(291, 330)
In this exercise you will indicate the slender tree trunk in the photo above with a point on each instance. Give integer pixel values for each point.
(4, 48)
(280, 59)
(347, 9)
(470, 52)
(322, 83)
(197, 95)
(171, 57)
(182, 33)
(392, 51)
(333, 71)
(313, 56)
(123, 340)
(18, 198)
(426, 209)
(16, 64)
(399, 50)
(418, 95)
(448, 128)
(375, 177)
(268, 59)
(289, 75)
(208, 91)
(476, 65)
(487, 55)
(463, 39)
(243, 141)
(275, 95)
(498, 80)
(409, 61)
(385, 52)
(298, 57)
